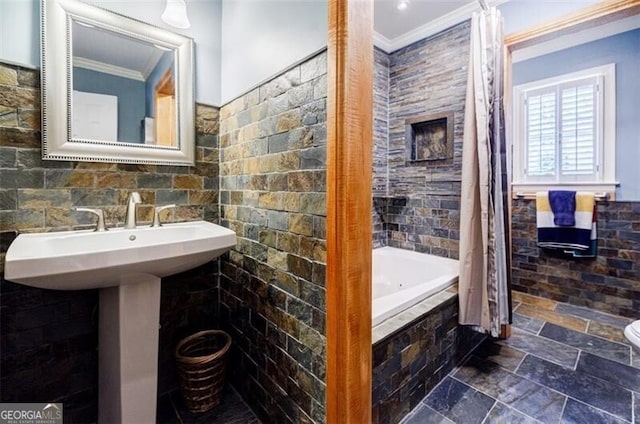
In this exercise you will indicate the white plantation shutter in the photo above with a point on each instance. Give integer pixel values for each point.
(541, 133)
(562, 131)
(579, 127)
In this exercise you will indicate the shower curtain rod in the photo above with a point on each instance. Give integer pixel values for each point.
(484, 5)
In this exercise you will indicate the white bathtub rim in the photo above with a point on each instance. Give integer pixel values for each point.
(413, 254)
(421, 284)
(388, 306)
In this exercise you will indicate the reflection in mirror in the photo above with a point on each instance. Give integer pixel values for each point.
(123, 88)
(114, 89)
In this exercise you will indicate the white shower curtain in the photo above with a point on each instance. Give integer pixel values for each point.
(484, 256)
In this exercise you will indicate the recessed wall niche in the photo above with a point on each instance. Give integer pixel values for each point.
(429, 137)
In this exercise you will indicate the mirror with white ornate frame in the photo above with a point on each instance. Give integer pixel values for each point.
(114, 89)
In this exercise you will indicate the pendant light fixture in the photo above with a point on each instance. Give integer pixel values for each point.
(175, 14)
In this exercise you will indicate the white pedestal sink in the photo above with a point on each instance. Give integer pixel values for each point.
(127, 265)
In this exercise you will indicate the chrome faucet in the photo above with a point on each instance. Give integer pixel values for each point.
(156, 214)
(130, 216)
(99, 213)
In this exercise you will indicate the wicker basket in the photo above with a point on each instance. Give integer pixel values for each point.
(201, 361)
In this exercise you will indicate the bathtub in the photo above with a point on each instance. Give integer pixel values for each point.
(403, 278)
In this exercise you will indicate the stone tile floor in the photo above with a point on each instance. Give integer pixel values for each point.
(562, 364)
(232, 410)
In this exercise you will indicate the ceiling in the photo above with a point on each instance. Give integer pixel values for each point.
(391, 22)
(395, 28)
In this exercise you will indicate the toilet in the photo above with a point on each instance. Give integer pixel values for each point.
(632, 333)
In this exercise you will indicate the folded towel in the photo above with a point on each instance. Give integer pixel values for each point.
(577, 237)
(563, 206)
(583, 215)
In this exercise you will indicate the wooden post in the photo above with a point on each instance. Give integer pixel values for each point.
(349, 216)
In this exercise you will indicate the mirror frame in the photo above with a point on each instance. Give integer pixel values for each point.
(56, 74)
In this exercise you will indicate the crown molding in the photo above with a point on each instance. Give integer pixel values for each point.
(433, 27)
(154, 58)
(381, 42)
(106, 68)
(591, 16)
(571, 40)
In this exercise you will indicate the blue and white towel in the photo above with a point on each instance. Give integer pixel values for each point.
(577, 238)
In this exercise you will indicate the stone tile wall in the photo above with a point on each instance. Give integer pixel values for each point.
(412, 361)
(380, 141)
(427, 77)
(379, 224)
(272, 295)
(609, 283)
(48, 339)
(427, 225)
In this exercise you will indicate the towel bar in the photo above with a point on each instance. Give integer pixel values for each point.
(600, 197)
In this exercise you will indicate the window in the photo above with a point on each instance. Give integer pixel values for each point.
(564, 132)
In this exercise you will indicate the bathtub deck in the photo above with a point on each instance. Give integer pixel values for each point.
(415, 357)
(393, 324)
(562, 364)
